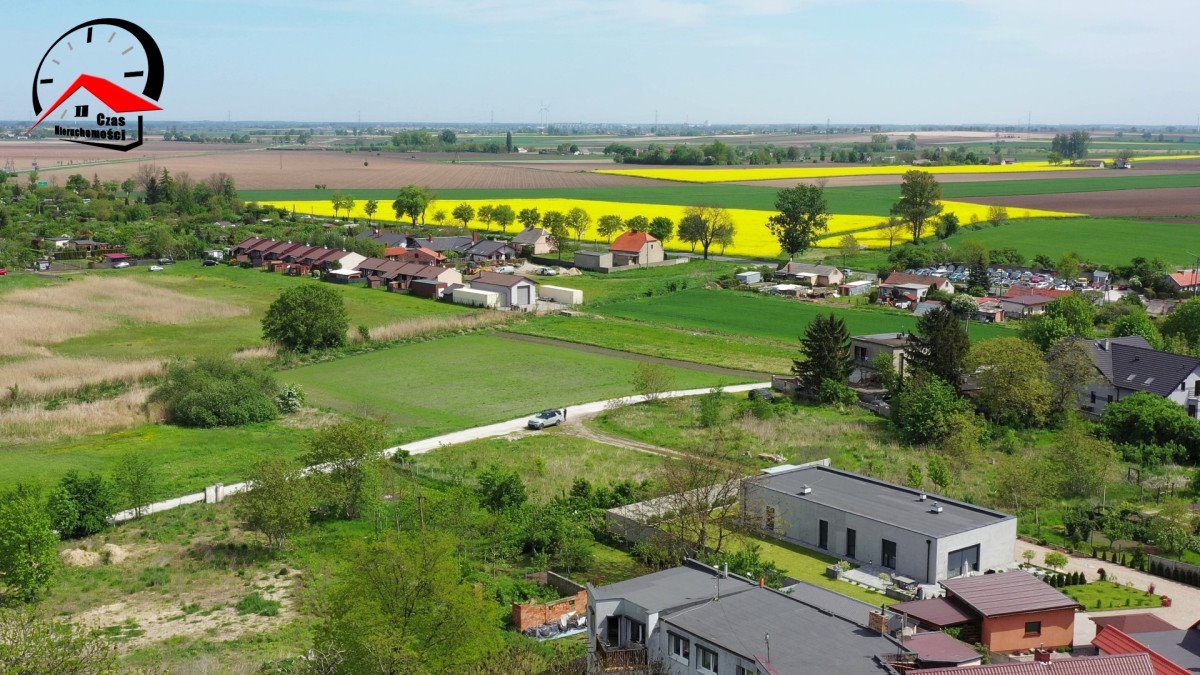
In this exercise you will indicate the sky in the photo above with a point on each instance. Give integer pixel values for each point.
(624, 61)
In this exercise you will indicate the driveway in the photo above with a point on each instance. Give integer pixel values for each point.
(1185, 600)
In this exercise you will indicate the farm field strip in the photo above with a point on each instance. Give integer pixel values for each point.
(710, 175)
(753, 238)
(1107, 241)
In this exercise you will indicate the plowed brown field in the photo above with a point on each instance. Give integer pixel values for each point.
(1149, 202)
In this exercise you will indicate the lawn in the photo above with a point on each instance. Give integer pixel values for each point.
(765, 316)
(806, 565)
(1107, 241)
(252, 289)
(186, 460)
(1100, 595)
(548, 462)
(598, 287)
(453, 383)
(742, 352)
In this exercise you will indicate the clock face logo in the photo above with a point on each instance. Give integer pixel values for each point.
(95, 79)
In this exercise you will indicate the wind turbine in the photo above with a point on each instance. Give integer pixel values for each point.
(542, 110)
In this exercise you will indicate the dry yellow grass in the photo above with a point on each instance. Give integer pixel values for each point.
(56, 374)
(432, 324)
(108, 296)
(264, 352)
(36, 423)
(26, 330)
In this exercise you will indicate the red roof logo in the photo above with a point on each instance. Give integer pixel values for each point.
(118, 99)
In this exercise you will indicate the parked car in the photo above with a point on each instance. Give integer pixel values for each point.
(210, 263)
(120, 265)
(548, 272)
(166, 261)
(3, 271)
(765, 394)
(546, 418)
(156, 268)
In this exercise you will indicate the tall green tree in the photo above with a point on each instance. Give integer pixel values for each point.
(370, 208)
(348, 451)
(939, 346)
(411, 202)
(920, 200)
(1014, 385)
(137, 481)
(504, 216)
(463, 213)
(403, 606)
(578, 221)
(926, 409)
(307, 317)
(1069, 369)
(555, 222)
(278, 502)
(1184, 322)
(508, 141)
(1138, 322)
(501, 489)
(1078, 313)
(711, 224)
(80, 505)
(662, 228)
(28, 546)
(529, 217)
(609, 225)
(1045, 331)
(825, 348)
(803, 215)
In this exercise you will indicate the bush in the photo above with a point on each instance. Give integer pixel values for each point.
(925, 409)
(710, 407)
(291, 399)
(307, 317)
(255, 603)
(80, 506)
(217, 392)
(833, 392)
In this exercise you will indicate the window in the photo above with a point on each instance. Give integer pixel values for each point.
(860, 354)
(706, 659)
(742, 670)
(1033, 628)
(1110, 398)
(1196, 388)
(769, 523)
(963, 560)
(680, 647)
(637, 631)
(823, 534)
(1093, 397)
(888, 559)
(851, 542)
(612, 631)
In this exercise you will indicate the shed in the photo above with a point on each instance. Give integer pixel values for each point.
(565, 296)
(513, 290)
(855, 288)
(750, 277)
(427, 288)
(593, 260)
(475, 297)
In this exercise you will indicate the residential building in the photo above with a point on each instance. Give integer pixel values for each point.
(926, 306)
(491, 250)
(936, 649)
(1185, 280)
(894, 528)
(814, 275)
(1128, 365)
(866, 348)
(697, 619)
(420, 254)
(1007, 612)
(1025, 306)
(1173, 652)
(636, 248)
(444, 245)
(513, 290)
(855, 288)
(535, 238)
(1017, 291)
(1133, 623)
(897, 283)
(988, 311)
(385, 239)
(1125, 664)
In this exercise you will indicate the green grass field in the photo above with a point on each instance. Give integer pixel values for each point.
(548, 462)
(764, 316)
(742, 352)
(1107, 241)
(632, 283)
(1107, 595)
(453, 383)
(805, 565)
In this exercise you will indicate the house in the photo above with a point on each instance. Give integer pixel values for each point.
(814, 275)
(1185, 280)
(535, 238)
(1124, 664)
(1025, 306)
(60, 242)
(852, 288)
(385, 239)
(988, 311)
(514, 291)
(926, 306)
(636, 248)
(935, 649)
(1091, 163)
(420, 254)
(898, 283)
(866, 348)
(458, 244)
(697, 619)
(90, 245)
(1009, 612)
(1128, 365)
(116, 257)
(879, 524)
(490, 249)
(1173, 652)
(1019, 291)
(428, 288)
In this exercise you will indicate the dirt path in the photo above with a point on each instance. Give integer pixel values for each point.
(717, 370)
(1185, 600)
(577, 427)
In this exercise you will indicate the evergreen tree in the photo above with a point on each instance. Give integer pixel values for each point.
(826, 349)
(940, 346)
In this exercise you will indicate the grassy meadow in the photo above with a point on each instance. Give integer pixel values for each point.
(1108, 241)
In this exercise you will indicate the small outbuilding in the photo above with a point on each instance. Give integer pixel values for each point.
(561, 295)
(749, 277)
(474, 297)
(512, 290)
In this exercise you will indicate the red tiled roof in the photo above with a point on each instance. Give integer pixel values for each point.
(1186, 279)
(1120, 664)
(1015, 592)
(1019, 291)
(940, 612)
(1113, 640)
(1134, 623)
(394, 250)
(906, 278)
(631, 242)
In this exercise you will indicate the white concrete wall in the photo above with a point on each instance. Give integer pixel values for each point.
(475, 297)
(997, 543)
(566, 296)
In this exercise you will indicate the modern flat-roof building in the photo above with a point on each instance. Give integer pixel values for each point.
(696, 619)
(924, 537)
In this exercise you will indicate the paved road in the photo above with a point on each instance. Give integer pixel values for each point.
(1185, 600)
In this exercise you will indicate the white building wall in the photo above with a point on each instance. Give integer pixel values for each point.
(997, 544)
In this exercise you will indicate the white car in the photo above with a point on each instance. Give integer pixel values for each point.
(156, 268)
(121, 265)
(546, 418)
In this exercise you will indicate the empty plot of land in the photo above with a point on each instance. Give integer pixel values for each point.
(276, 169)
(28, 330)
(39, 422)
(111, 296)
(53, 375)
(52, 155)
(1151, 202)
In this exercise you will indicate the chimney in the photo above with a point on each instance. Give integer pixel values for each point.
(474, 235)
(725, 571)
(805, 489)
(1041, 655)
(921, 497)
(1104, 344)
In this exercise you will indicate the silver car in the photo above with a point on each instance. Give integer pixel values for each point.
(546, 418)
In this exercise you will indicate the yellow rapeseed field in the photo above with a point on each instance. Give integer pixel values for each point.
(752, 238)
(706, 175)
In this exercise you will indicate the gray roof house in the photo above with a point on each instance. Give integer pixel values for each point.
(536, 238)
(926, 538)
(697, 619)
(1128, 365)
(490, 249)
(817, 275)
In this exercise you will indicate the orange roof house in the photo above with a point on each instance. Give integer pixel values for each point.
(636, 248)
